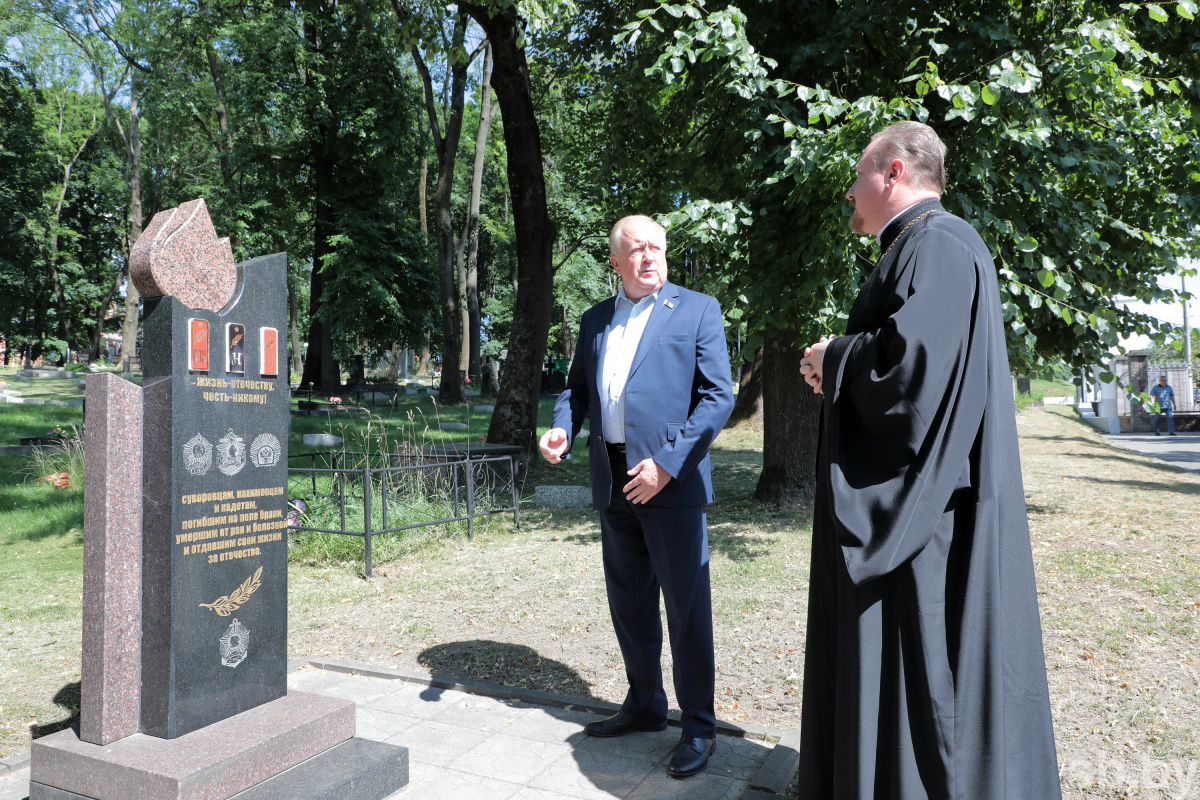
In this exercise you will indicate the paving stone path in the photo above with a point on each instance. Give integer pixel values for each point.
(465, 746)
(1182, 451)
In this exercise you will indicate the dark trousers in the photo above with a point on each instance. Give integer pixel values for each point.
(647, 549)
(1170, 414)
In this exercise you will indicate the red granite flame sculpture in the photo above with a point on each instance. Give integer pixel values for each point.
(179, 254)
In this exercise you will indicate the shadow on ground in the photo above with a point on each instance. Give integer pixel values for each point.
(66, 698)
(504, 663)
(633, 765)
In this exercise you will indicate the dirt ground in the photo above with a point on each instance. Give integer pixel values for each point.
(1115, 542)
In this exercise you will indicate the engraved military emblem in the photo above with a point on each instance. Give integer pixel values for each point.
(265, 450)
(231, 453)
(234, 644)
(197, 455)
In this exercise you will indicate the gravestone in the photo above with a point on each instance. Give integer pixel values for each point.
(184, 674)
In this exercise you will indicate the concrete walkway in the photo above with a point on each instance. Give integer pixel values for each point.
(1181, 450)
(484, 742)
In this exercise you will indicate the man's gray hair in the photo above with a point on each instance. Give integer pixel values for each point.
(919, 147)
(614, 236)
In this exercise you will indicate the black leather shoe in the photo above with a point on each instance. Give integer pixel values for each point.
(620, 724)
(690, 756)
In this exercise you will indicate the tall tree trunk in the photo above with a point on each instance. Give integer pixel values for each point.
(487, 113)
(101, 313)
(426, 354)
(393, 370)
(294, 318)
(65, 328)
(321, 370)
(791, 424)
(568, 335)
(749, 405)
(446, 146)
(133, 142)
(515, 418)
(225, 142)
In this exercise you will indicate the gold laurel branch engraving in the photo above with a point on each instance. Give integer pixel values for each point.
(224, 606)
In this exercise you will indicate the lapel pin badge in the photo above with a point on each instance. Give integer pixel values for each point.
(668, 303)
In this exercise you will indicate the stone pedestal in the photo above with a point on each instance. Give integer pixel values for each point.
(216, 762)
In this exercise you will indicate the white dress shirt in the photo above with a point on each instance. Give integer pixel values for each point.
(628, 324)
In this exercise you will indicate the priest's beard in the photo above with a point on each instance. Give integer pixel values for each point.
(858, 224)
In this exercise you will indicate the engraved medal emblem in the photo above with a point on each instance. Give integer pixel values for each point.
(197, 455)
(265, 450)
(231, 453)
(235, 356)
(234, 644)
(198, 352)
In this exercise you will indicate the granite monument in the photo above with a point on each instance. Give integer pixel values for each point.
(184, 674)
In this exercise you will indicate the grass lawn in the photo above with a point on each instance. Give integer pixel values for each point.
(47, 388)
(1115, 546)
(1041, 388)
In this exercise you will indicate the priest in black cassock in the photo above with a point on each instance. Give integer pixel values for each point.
(924, 675)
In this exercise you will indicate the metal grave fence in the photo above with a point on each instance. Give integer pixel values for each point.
(345, 488)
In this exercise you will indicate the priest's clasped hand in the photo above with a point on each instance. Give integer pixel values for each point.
(648, 480)
(812, 363)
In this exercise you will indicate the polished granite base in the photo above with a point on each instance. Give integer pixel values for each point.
(213, 763)
(358, 769)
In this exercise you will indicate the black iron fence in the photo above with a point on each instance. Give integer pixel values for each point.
(372, 494)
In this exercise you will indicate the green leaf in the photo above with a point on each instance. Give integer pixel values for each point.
(1186, 9)
(1156, 13)
(989, 97)
(1045, 278)
(1027, 245)
(1068, 318)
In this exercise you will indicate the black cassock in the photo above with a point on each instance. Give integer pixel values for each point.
(924, 675)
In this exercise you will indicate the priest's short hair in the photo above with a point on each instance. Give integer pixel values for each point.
(919, 147)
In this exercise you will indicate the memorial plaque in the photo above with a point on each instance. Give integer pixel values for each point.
(185, 557)
(214, 599)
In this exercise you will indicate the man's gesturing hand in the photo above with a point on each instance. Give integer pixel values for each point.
(812, 363)
(648, 480)
(553, 444)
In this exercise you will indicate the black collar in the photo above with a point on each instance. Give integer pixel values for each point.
(908, 215)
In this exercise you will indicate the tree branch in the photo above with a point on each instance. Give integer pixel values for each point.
(120, 49)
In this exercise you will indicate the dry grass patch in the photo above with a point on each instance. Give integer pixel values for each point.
(1116, 546)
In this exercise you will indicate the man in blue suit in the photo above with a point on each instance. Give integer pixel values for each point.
(652, 371)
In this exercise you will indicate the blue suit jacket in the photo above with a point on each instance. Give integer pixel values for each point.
(677, 397)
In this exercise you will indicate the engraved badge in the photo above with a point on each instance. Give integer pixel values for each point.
(235, 356)
(198, 349)
(231, 453)
(269, 352)
(265, 450)
(234, 644)
(197, 455)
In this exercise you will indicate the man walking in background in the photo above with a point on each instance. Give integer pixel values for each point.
(652, 371)
(1164, 396)
(924, 675)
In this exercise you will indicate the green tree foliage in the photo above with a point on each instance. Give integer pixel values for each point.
(25, 174)
(1072, 150)
(1071, 136)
